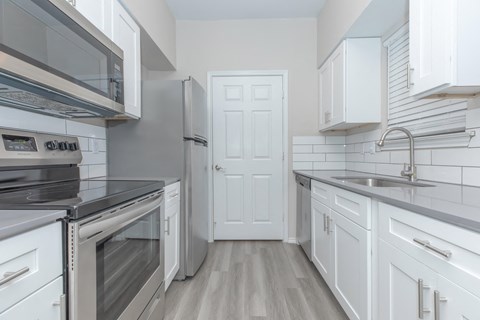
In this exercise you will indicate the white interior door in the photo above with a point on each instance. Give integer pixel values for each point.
(248, 157)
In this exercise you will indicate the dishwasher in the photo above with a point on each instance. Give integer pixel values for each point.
(304, 214)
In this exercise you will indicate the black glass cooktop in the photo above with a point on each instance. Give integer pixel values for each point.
(80, 197)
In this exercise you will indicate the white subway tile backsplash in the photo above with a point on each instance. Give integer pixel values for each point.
(329, 166)
(85, 130)
(359, 147)
(379, 157)
(363, 167)
(403, 156)
(469, 157)
(309, 140)
(335, 157)
(335, 140)
(440, 174)
(329, 148)
(302, 148)
(23, 120)
(94, 158)
(83, 172)
(388, 169)
(84, 143)
(309, 157)
(302, 165)
(350, 148)
(471, 177)
(97, 170)
(354, 157)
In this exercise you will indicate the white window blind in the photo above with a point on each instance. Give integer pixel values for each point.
(423, 117)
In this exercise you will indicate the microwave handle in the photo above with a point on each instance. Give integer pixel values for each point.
(128, 214)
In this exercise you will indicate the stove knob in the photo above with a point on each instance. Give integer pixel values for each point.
(51, 145)
(73, 146)
(63, 145)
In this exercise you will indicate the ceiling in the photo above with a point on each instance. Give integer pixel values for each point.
(244, 9)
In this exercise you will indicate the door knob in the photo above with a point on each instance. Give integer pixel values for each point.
(218, 168)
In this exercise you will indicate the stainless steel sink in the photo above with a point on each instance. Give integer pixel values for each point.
(382, 182)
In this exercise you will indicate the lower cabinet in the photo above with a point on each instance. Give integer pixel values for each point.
(172, 232)
(342, 255)
(408, 289)
(351, 248)
(321, 240)
(405, 286)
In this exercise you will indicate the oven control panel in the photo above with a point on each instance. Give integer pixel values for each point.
(31, 148)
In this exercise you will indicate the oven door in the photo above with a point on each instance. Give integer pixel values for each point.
(116, 262)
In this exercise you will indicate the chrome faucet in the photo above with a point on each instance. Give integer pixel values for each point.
(409, 171)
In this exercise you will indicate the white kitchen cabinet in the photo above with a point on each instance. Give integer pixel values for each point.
(126, 34)
(454, 302)
(403, 284)
(443, 50)
(321, 240)
(349, 85)
(172, 232)
(98, 12)
(341, 248)
(31, 266)
(351, 283)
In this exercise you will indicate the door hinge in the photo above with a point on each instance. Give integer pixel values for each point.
(283, 156)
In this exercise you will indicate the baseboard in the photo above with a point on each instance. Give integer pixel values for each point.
(292, 240)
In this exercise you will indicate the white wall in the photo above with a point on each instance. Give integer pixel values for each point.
(90, 136)
(275, 44)
(157, 19)
(333, 23)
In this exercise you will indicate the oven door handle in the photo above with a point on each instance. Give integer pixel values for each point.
(125, 215)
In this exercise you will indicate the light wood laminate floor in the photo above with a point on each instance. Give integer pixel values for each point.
(253, 280)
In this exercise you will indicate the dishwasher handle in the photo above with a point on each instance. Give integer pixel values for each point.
(303, 181)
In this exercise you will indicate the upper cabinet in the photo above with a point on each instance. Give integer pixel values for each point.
(113, 19)
(97, 12)
(349, 85)
(126, 34)
(443, 50)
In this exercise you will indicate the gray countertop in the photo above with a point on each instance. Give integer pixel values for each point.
(455, 204)
(13, 222)
(166, 180)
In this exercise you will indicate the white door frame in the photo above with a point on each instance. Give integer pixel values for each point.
(284, 75)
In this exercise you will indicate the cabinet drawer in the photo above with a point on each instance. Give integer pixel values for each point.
(172, 194)
(42, 305)
(321, 192)
(38, 254)
(353, 206)
(451, 251)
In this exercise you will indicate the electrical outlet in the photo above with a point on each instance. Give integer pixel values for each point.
(94, 147)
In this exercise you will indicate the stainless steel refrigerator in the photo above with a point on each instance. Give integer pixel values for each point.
(169, 141)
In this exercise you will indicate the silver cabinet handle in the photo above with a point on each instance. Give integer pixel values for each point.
(409, 76)
(436, 303)
(421, 308)
(168, 226)
(447, 254)
(324, 222)
(9, 276)
(62, 303)
(329, 221)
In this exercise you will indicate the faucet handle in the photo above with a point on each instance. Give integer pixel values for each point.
(406, 167)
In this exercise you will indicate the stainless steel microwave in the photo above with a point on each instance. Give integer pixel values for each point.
(54, 61)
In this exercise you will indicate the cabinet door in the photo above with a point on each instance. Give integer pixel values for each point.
(430, 44)
(172, 243)
(455, 303)
(321, 249)
(43, 304)
(352, 267)
(126, 34)
(400, 285)
(98, 12)
(338, 84)
(325, 95)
